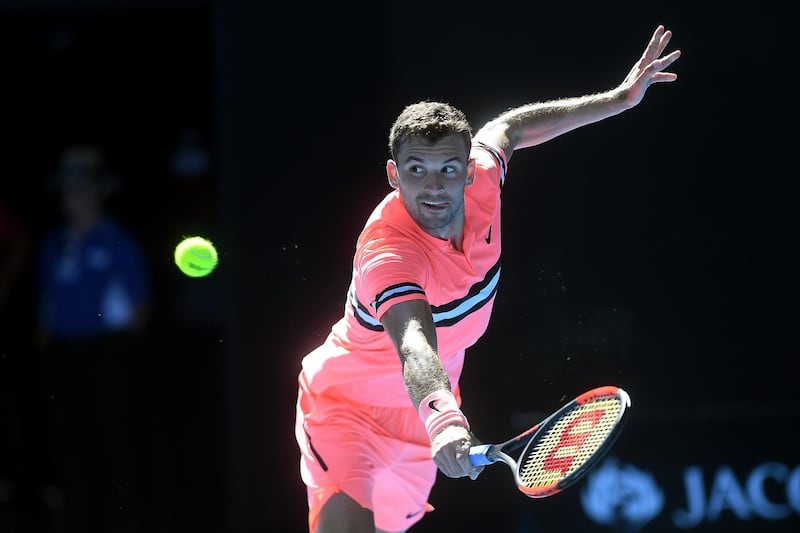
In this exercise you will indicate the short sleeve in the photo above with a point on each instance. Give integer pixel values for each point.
(388, 269)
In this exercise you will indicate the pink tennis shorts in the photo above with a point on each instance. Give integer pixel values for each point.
(379, 456)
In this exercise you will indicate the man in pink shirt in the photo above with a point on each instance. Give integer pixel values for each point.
(378, 407)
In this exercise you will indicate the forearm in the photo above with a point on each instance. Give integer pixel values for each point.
(411, 328)
(423, 372)
(535, 123)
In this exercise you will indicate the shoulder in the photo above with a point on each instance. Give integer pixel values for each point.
(391, 240)
(489, 159)
(389, 222)
(54, 234)
(386, 242)
(113, 235)
(111, 228)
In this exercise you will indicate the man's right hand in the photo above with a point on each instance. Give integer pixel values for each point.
(450, 451)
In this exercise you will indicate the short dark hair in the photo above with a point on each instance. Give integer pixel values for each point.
(83, 163)
(431, 120)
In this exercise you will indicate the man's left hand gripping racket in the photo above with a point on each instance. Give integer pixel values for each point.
(562, 448)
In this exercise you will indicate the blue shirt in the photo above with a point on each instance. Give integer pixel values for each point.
(89, 285)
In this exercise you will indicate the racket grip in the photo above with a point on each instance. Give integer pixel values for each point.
(477, 455)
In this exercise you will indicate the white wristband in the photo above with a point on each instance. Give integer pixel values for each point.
(438, 410)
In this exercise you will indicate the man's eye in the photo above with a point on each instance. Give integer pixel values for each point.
(417, 170)
(448, 170)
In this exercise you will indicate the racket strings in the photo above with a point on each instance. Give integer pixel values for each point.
(569, 443)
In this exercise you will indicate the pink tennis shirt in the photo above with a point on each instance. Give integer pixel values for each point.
(396, 261)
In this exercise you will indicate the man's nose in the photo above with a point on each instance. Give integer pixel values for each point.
(435, 182)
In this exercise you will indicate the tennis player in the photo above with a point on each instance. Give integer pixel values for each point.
(378, 407)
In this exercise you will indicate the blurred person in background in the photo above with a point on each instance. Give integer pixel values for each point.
(93, 296)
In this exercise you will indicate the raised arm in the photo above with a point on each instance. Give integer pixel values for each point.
(410, 326)
(535, 123)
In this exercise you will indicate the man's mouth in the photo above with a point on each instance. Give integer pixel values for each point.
(436, 205)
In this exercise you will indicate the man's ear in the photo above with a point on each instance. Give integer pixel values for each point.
(470, 172)
(391, 174)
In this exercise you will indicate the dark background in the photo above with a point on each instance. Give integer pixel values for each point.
(654, 250)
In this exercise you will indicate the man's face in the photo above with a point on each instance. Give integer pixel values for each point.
(431, 179)
(81, 198)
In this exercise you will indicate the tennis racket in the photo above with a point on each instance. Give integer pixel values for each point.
(562, 448)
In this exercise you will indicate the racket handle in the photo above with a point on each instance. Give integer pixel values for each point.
(478, 454)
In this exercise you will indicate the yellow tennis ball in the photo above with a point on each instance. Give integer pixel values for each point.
(196, 256)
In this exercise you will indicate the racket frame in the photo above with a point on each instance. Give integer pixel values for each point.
(485, 454)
